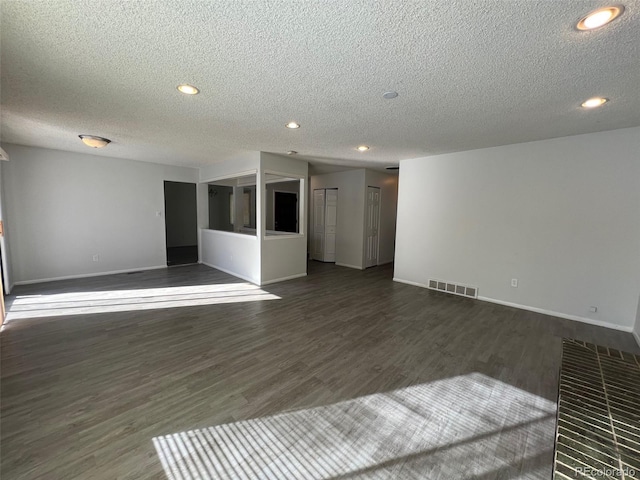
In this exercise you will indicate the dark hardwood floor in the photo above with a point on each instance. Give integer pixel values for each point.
(182, 255)
(192, 373)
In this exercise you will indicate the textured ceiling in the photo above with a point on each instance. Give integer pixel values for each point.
(469, 74)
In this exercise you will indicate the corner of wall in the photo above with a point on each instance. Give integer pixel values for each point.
(4, 243)
(636, 328)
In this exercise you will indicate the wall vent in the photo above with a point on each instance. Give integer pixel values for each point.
(454, 288)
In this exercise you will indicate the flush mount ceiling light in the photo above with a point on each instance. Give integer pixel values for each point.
(389, 95)
(594, 102)
(363, 148)
(292, 125)
(94, 142)
(291, 152)
(188, 89)
(600, 17)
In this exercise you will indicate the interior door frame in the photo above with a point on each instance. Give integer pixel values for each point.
(312, 222)
(367, 227)
(164, 215)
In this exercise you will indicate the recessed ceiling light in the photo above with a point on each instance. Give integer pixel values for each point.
(291, 152)
(292, 125)
(594, 102)
(363, 148)
(600, 17)
(94, 142)
(188, 89)
(389, 95)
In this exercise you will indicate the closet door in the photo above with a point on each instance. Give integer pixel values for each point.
(317, 243)
(373, 227)
(330, 224)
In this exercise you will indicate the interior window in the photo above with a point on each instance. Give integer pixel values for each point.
(232, 205)
(283, 205)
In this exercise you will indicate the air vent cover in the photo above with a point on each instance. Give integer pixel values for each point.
(454, 288)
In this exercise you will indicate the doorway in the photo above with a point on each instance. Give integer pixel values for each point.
(372, 244)
(285, 211)
(181, 223)
(325, 222)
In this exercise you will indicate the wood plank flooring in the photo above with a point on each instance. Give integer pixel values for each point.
(341, 374)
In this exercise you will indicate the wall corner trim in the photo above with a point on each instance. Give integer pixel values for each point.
(233, 274)
(282, 279)
(87, 275)
(349, 266)
(409, 282)
(577, 318)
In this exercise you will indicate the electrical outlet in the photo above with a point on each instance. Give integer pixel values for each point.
(96, 258)
(514, 282)
(593, 309)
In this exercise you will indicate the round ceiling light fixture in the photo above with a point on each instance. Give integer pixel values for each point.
(93, 141)
(389, 95)
(600, 17)
(594, 102)
(292, 152)
(363, 148)
(188, 89)
(292, 125)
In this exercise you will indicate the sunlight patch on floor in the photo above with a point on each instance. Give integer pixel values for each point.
(83, 303)
(463, 427)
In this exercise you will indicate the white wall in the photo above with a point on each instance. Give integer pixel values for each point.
(231, 252)
(388, 185)
(62, 208)
(235, 253)
(562, 216)
(257, 258)
(245, 162)
(4, 241)
(351, 203)
(284, 256)
(636, 330)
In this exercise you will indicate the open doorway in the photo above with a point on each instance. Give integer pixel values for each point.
(181, 223)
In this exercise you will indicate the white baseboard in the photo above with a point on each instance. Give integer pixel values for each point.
(591, 321)
(349, 266)
(243, 277)
(637, 337)
(577, 318)
(409, 282)
(87, 275)
(282, 279)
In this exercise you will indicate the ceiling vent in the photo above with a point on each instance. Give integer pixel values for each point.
(454, 288)
(3, 155)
